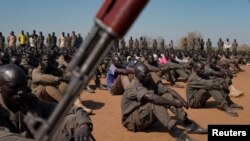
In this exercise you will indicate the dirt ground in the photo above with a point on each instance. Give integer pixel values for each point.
(107, 114)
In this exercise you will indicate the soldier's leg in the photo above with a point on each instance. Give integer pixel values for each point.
(199, 99)
(182, 73)
(8, 136)
(155, 77)
(98, 82)
(224, 103)
(117, 87)
(70, 124)
(178, 112)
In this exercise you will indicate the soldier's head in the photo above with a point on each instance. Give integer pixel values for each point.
(212, 62)
(12, 33)
(116, 60)
(22, 32)
(13, 84)
(199, 68)
(53, 33)
(46, 62)
(40, 33)
(63, 33)
(49, 35)
(1, 34)
(142, 73)
(15, 60)
(150, 59)
(73, 32)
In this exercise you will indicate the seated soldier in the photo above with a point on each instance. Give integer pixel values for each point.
(144, 102)
(200, 88)
(63, 65)
(223, 75)
(117, 76)
(48, 82)
(15, 103)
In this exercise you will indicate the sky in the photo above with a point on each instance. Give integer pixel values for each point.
(171, 19)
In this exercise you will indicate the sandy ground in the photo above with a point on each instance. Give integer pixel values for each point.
(107, 114)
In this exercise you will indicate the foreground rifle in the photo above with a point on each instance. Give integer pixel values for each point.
(112, 21)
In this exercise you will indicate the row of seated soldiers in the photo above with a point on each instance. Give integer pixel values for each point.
(145, 98)
(48, 75)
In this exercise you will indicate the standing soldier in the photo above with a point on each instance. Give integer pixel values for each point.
(185, 44)
(48, 41)
(123, 43)
(79, 40)
(220, 44)
(27, 41)
(131, 42)
(171, 45)
(234, 46)
(73, 39)
(2, 40)
(209, 45)
(40, 40)
(145, 43)
(162, 44)
(62, 41)
(191, 45)
(34, 35)
(53, 40)
(197, 44)
(155, 44)
(227, 45)
(137, 44)
(68, 40)
(22, 39)
(202, 44)
(11, 40)
(141, 44)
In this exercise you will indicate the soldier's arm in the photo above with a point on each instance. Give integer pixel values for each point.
(123, 71)
(8, 136)
(158, 100)
(38, 77)
(204, 84)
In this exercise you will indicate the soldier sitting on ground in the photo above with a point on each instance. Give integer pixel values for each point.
(200, 88)
(144, 102)
(15, 103)
(117, 76)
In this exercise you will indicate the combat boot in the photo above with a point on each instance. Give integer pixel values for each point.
(179, 135)
(193, 128)
(90, 90)
(230, 111)
(234, 92)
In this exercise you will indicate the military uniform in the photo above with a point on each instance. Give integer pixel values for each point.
(2, 40)
(209, 45)
(47, 86)
(137, 116)
(199, 90)
(175, 70)
(13, 122)
(220, 44)
(40, 41)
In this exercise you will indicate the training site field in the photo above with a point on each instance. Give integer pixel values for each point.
(107, 114)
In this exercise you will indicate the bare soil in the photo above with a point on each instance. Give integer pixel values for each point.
(107, 114)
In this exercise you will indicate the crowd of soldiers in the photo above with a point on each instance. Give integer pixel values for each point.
(34, 76)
